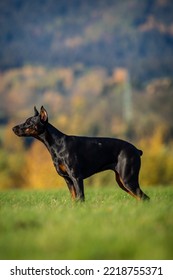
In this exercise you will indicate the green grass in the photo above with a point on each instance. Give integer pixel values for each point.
(109, 225)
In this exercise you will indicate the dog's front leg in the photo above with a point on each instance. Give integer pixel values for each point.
(79, 188)
(71, 187)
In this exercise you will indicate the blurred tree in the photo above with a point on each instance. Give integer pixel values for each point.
(12, 160)
(157, 160)
(39, 170)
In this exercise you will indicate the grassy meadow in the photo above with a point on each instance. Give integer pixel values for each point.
(109, 225)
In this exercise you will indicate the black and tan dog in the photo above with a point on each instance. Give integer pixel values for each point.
(76, 157)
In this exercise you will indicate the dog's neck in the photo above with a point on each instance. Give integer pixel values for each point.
(51, 136)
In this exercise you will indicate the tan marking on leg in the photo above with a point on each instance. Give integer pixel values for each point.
(73, 193)
(120, 183)
(123, 187)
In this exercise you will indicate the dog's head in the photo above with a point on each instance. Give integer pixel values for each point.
(33, 126)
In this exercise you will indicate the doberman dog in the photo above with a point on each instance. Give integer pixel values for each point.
(77, 157)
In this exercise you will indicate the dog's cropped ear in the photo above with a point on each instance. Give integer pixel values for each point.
(43, 115)
(36, 113)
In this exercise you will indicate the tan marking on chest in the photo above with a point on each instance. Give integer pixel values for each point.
(62, 167)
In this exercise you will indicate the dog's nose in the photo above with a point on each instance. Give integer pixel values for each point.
(14, 129)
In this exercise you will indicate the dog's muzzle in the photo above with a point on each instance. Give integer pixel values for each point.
(16, 130)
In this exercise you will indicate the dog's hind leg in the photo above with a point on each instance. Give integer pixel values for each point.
(122, 186)
(127, 178)
(120, 183)
(136, 191)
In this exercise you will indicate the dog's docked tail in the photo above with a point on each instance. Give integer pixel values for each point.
(140, 152)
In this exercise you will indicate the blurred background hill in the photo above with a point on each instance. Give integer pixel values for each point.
(100, 68)
(137, 35)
